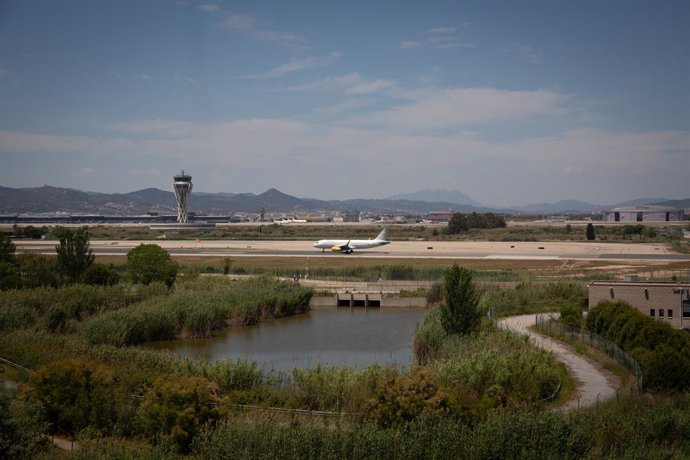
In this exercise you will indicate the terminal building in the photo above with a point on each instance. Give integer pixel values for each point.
(665, 301)
(646, 213)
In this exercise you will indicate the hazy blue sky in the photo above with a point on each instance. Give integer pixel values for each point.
(508, 101)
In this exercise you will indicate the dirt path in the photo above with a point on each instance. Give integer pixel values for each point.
(592, 382)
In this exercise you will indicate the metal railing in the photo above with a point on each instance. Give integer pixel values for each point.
(552, 326)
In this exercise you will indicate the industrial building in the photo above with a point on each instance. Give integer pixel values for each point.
(665, 301)
(646, 213)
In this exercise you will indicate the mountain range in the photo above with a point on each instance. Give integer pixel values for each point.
(48, 199)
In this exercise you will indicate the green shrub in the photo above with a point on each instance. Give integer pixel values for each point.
(149, 263)
(101, 275)
(662, 351)
(429, 337)
(76, 394)
(400, 400)
(22, 428)
(571, 315)
(176, 409)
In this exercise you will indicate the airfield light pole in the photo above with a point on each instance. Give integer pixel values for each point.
(182, 185)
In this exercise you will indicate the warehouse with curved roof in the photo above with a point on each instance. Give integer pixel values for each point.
(645, 213)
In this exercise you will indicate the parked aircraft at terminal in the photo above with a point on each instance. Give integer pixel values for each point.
(348, 246)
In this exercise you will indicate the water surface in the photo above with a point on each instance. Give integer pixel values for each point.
(352, 337)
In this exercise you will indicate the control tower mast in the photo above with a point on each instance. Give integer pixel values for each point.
(182, 185)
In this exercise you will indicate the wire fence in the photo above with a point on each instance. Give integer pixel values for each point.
(551, 326)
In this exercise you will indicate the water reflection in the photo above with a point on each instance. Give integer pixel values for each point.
(354, 337)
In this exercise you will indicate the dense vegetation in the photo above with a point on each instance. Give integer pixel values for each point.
(528, 297)
(662, 351)
(197, 309)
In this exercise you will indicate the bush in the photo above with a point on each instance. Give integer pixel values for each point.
(149, 263)
(76, 394)
(429, 337)
(21, 428)
(176, 409)
(38, 271)
(398, 401)
(571, 315)
(435, 293)
(663, 352)
(101, 275)
(9, 276)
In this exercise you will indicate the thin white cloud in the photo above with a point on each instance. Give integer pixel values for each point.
(457, 107)
(246, 24)
(439, 38)
(525, 52)
(352, 83)
(209, 8)
(442, 30)
(448, 41)
(371, 87)
(145, 77)
(186, 80)
(240, 22)
(411, 44)
(297, 65)
(86, 171)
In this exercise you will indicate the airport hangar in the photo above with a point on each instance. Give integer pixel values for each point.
(646, 213)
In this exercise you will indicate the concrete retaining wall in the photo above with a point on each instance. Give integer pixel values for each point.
(370, 300)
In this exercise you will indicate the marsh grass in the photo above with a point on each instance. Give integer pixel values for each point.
(198, 308)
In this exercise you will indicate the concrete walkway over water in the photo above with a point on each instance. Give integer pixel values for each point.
(591, 380)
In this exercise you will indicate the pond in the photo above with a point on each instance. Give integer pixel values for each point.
(351, 337)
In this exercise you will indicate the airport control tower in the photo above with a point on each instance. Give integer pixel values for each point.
(182, 185)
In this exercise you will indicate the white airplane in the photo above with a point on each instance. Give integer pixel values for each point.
(289, 220)
(348, 246)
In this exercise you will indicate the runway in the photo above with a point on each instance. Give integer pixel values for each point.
(397, 250)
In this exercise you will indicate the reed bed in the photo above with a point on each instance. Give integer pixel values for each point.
(198, 308)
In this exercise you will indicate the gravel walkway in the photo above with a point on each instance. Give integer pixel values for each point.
(592, 382)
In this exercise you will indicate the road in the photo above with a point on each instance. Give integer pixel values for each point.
(592, 383)
(397, 249)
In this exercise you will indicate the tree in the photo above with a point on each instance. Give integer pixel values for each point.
(76, 393)
(590, 232)
(148, 263)
(7, 248)
(458, 223)
(74, 254)
(460, 313)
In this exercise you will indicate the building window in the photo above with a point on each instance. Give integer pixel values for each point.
(651, 312)
(686, 308)
(661, 313)
(670, 313)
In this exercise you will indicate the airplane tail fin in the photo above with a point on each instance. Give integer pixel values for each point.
(383, 235)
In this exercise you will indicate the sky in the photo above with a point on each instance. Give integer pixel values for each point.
(509, 102)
